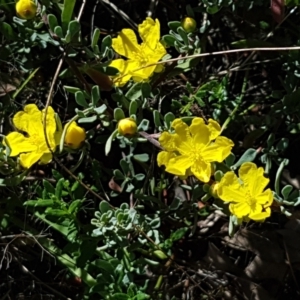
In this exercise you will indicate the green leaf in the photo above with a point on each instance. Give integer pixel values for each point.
(125, 166)
(134, 92)
(169, 40)
(109, 141)
(291, 3)
(52, 21)
(74, 206)
(119, 296)
(282, 144)
(156, 118)
(67, 13)
(218, 175)
(39, 203)
(73, 28)
(59, 188)
(178, 234)
(118, 175)
(87, 119)
(71, 89)
(119, 114)
(174, 25)
(80, 99)
(144, 125)
(105, 265)
(169, 118)
(141, 157)
(106, 43)
(248, 156)
(58, 31)
(146, 89)
(183, 35)
(48, 187)
(230, 159)
(95, 37)
(101, 109)
(159, 254)
(95, 95)
(139, 177)
(104, 206)
(56, 212)
(286, 190)
(133, 108)
(212, 9)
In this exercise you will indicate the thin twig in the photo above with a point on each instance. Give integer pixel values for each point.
(124, 16)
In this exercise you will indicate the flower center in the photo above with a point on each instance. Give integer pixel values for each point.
(143, 60)
(37, 140)
(195, 154)
(250, 200)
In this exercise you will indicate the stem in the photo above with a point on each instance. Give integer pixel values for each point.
(239, 102)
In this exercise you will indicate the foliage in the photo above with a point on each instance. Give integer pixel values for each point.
(143, 142)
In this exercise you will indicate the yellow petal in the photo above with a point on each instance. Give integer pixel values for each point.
(164, 157)
(166, 140)
(253, 178)
(126, 44)
(218, 150)
(180, 127)
(240, 210)
(28, 159)
(178, 165)
(46, 158)
(149, 59)
(124, 67)
(265, 198)
(214, 129)
(199, 131)
(261, 215)
(182, 139)
(24, 119)
(230, 189)
(149, 32)
(50, 127)
(18, 143)
(201, 170)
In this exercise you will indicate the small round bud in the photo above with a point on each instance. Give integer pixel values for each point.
(26, 9)
(188, 24)
(214, 189)
(75, 136)
(127, 127)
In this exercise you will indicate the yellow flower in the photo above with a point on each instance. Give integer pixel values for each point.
(26, 9)
(191, 150)
(32, 147)
(75, 136)
(127, 127)
(188, 24)
(246, 194)
(150, 51)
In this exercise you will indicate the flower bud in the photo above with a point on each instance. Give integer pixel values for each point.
(75, 136)
(127, 127)
(26, 9)
(214, 189)
(102, 80)
(188, 24)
